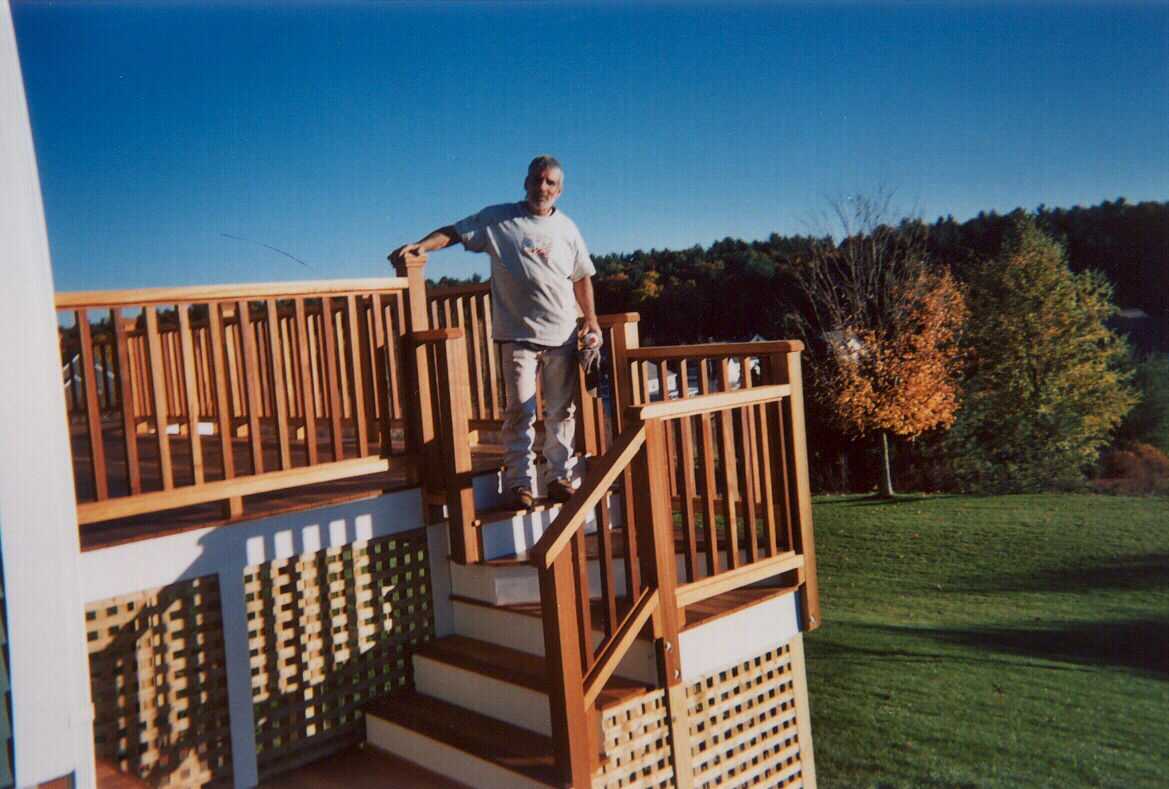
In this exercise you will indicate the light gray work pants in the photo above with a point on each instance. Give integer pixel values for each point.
(557, 369)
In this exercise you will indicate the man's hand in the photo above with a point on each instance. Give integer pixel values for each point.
(400, 255)
(590, 324)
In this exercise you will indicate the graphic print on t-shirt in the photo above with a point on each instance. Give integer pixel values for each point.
(538, 247)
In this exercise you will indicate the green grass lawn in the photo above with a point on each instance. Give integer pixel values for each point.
(992, 641)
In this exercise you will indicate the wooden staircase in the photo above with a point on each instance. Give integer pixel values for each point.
(479, 712)
(694, 504)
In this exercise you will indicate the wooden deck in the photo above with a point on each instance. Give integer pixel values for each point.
(157, 524)
(361, 768)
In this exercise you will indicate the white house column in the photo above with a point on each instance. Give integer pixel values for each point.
(52, 718)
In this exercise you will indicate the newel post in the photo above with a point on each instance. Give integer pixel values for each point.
(622, 335)
(421, 430)
(655, 533)
(455, 385)
(570, 721)
(785, 367)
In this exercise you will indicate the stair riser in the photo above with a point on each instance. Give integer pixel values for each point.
(520, 583)
(526, 633)
(520, 533)
(489, 492)
(441, 758)
(518, 705)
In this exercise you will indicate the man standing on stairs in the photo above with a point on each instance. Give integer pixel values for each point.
(540, 273)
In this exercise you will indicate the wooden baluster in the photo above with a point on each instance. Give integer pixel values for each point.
(709, 492)
(605, 538)
(222, 371)
(671, 449)
(279, 387)
(358, 387)
(746, 486)
(689, 486)
(474, 336)
(306, 381)
(756, 481)
(126, 397)
(382, 367)
(494, 379)
(730, 471)
(584, 615)
(155, 364)
(291, 376)
(250, 364)
(144, 408)
(233, 348)
(191, 393)
(174, 406)
(97, 450)
(106, 392)
(333, 388)
(570, 721)
(657, 543)
(767, 472)
(395, 334)
(446, 314)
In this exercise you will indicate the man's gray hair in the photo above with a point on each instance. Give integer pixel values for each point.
(542, 163)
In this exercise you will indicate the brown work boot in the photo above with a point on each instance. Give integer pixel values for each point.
(560, 490)
(522, 498)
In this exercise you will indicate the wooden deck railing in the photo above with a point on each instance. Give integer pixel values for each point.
(181, 396)
(738, 458)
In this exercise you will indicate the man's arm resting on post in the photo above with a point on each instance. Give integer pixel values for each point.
(437, 239)
(583, 289)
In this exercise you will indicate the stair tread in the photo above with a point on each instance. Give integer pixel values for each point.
(696, 614)
(516, 667)
(495, 514)
(491, 739)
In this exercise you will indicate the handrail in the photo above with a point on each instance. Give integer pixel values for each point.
(619, 644)
(710, 403)
(597, 482)
(708, 350)
(212, 393)
(733, 462)
(73, 300)
(459, 290)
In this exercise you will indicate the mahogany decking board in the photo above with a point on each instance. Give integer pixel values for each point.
(508, 746)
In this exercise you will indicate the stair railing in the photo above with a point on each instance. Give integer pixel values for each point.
(747, 458)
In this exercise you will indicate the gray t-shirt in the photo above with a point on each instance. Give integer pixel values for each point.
(534, 261)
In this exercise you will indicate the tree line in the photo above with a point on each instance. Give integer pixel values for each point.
(1008, 352)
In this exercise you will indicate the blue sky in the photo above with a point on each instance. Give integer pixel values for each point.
(338, 132)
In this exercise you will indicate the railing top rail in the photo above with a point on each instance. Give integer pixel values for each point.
(199, 293)
(451, 291)
(601, 475)
(437, 335)
(705, 404)
(708, 350)
(617, 318)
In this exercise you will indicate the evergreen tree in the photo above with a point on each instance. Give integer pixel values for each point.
(1045, 388)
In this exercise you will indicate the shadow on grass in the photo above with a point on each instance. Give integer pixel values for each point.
(1148, 571)
(1139, 644)
(842, 654)
(877, 500)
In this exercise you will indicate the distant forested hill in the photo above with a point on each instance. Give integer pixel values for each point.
(735, 289)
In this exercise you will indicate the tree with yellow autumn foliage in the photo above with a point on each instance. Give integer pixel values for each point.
(1046, 386)
(888, 326)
